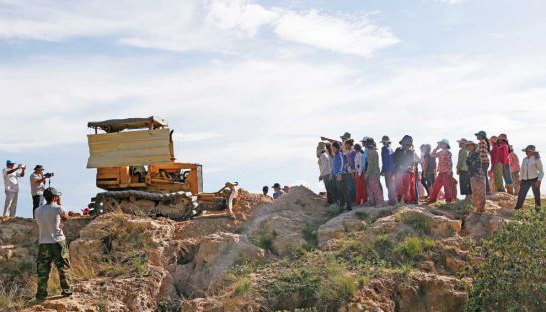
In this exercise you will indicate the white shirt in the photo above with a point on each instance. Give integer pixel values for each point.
(325, 165)
(359, 163)
(531, 168)
(36, 189)
(48, 218)
(11, 181)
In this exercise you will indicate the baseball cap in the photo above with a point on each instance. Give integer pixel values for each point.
(9, 162)
(51, 191)
(276, 185)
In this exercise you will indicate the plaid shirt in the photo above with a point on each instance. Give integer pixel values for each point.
(482, 149)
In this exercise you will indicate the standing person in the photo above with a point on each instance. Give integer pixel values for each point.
(405, 161)
(514, 168)
(350, 153)
(531, 175)
(372, 175)
(462, 169)
(265, 190)
(37, 187)
(360, 178)
(388, 168)
(325, 167)
(428, 164)
(505, 160)
(477, 176)
(483, 148)
(496, 163)
(339, 173)
(11, 183)
(52, 244)
(445, 172)
(332, 182)
(277, 191)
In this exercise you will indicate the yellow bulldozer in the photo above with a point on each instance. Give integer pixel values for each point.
(136, 167)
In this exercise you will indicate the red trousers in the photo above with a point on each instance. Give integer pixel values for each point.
(405, 187)
(361, 191)
(442, 180)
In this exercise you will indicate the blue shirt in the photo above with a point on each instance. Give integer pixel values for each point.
(338, 167)
(387, 158)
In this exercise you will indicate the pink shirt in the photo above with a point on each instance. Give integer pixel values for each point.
(445, 163)
(514, 162)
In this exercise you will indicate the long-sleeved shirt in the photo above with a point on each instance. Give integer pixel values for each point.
(373, 164)
(445, 162)
(338, 167)
(531, 168)
(325, 165)
(514, 162)
(404, 160)
(350, 161)
(474, 163)
(499, 154)
(360, 163)
(461, 160)
(387, 159)
(482, 149)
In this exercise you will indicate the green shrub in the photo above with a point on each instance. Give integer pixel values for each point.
(362, 215)
(263, 240)
(334, 210)
(512, 276)
(419, 223)
(242, 286)
(412, 248)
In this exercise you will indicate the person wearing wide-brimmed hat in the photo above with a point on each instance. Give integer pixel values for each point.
(477, 176)
(428, 164)
(514, 168)
(498, 155)
(462, 169)
(325, 168)
(445, 172)
(405, 161)
(506, 173)
(37, 187)
(373, 173)
(531, 175)
(484, 147)
(388, 168)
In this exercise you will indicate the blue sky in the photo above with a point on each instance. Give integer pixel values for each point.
(249, 86)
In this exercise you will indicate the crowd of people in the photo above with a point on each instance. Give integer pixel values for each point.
(351, 172)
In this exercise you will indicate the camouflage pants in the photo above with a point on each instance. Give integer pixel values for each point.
(58, 254)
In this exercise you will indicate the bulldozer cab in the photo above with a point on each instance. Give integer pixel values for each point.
(138, 154)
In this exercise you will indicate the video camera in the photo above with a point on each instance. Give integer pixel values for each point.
(49, 174)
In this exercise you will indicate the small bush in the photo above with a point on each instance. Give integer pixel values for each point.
(419, 223)
(263, 240)
(512, 276)
(334, 210)
(242, 286)
(310, 235)
(362, 215)
(412, 248)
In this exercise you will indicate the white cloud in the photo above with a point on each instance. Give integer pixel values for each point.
(214, 25)
(346, 34)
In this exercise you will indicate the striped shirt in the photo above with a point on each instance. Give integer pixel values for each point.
(482, 149)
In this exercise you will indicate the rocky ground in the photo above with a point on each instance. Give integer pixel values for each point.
(294, 253)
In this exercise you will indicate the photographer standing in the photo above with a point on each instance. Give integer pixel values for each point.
(11, 182)
(37, 186)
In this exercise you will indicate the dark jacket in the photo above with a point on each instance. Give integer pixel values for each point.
(403, 159)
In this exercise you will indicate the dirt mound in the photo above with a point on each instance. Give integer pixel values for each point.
(280, 226)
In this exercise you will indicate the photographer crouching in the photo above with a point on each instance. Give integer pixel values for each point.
(37, 186)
